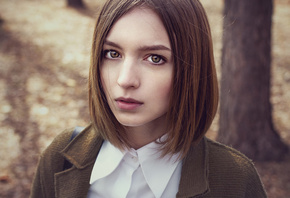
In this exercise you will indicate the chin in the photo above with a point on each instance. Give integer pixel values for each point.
(130, 122)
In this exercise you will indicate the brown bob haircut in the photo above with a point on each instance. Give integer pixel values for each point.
(194, 97)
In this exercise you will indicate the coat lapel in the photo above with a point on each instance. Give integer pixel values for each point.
(73, 182)
(194, 174)
(81, 152)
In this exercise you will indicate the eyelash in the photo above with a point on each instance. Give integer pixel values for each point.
(162, 60)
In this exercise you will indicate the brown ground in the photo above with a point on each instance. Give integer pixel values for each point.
(44, 58)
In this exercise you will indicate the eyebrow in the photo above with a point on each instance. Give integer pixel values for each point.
(142, 48)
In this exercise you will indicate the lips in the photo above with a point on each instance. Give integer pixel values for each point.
(128, 103)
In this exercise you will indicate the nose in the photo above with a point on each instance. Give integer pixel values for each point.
(129, 74)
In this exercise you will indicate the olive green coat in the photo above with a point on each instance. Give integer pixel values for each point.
(209, 170)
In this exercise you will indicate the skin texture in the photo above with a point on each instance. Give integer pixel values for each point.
(136, 74)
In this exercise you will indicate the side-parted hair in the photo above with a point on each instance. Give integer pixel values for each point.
(194, 96)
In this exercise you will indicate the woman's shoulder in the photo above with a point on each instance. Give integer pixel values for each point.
(52, 153)
(230, 167)
(67, 136)
(227, 153)
(60, 141)
(223, 156)
(63, 145)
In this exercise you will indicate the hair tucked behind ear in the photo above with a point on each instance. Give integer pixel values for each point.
(194, 99)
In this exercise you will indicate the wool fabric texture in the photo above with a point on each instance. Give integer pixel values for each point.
(210, 170)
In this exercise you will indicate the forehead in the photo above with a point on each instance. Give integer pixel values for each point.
(140, 23)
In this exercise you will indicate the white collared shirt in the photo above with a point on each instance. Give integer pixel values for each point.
(134, 173)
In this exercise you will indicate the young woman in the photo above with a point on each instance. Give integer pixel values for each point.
(153, 95)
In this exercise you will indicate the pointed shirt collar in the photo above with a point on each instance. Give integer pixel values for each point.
(84, 149)
(156, 170)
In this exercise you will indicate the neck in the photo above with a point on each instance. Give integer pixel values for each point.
(142, 135)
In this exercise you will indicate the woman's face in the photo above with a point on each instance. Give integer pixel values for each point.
(137, 69)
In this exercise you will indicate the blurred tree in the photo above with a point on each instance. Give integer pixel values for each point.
(75, 3)
(1, 20)
(245, 109)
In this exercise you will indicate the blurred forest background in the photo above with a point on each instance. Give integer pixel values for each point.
(44, 60)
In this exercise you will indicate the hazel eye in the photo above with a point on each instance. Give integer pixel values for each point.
(111, 54)
(156, 59)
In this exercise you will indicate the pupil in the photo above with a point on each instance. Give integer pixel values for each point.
(114, 54)
(155, 59)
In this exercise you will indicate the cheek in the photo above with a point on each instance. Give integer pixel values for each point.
(168, 84)
(167, 92)
(163, 90)
(105, 80)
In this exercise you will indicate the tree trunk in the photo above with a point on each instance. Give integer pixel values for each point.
(245, 110)
(75, 3)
